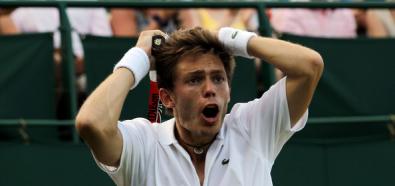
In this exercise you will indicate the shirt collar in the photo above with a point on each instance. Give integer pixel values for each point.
(166, 132)
(221, 133)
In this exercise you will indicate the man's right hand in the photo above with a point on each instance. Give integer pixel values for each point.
(97, 120)
(145, 40)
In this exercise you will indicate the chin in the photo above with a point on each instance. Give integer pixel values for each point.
(212, 128)
(206, 132)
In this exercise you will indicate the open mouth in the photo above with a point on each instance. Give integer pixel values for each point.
(211, 111)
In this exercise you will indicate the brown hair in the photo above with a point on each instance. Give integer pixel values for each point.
(189, 42)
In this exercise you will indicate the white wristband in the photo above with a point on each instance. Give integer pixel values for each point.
(136, 60)
(235, 40)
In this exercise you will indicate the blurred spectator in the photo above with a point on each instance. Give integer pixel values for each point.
(130, 22)
(360, 19)
(215, 18)
(83, 21)
(339, 23)
(380, 23)
(124, 22)
(6, 24)
(315, 22)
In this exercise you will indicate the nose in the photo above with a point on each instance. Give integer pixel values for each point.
(209, 89)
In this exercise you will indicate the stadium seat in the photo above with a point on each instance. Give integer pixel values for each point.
(356, 87)
(101, 55)
(27, 81)
(346, 136)
(244, 83)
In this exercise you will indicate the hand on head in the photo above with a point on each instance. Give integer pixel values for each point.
(145, 40)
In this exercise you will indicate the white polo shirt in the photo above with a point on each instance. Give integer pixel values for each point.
(243, 152)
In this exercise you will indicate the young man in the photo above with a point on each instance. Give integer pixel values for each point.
(201, 145)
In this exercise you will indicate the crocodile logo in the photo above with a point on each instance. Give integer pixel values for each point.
(225, 161)
(234, 34)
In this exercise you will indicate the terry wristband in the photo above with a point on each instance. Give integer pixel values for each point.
(235, 40)
(136, 60)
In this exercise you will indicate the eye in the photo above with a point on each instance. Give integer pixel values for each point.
(194, 80)
(218, 79)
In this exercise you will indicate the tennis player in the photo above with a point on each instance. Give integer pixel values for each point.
(201, 144)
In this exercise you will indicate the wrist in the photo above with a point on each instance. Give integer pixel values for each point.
(136, 60)
(235, 40)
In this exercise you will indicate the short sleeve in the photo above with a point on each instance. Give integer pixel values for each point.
(131, 167)
(266, 121)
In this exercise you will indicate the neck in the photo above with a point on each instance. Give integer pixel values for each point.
(193, 148)
(197, 145)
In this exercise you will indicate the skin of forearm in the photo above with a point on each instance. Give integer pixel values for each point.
(302, 66)
(294, 60)
(102, 109)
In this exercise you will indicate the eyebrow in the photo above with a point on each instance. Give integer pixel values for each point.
(194, 73)
(200, 72)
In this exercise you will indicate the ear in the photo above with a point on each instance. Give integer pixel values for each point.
(166, 98)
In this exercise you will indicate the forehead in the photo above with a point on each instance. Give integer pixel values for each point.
(203, 62)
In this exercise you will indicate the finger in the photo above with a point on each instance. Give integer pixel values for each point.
(159, 32)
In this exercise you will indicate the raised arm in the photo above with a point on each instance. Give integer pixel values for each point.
(97, 119)
(302, 66)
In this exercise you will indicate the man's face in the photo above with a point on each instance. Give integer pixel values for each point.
(200, 95)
